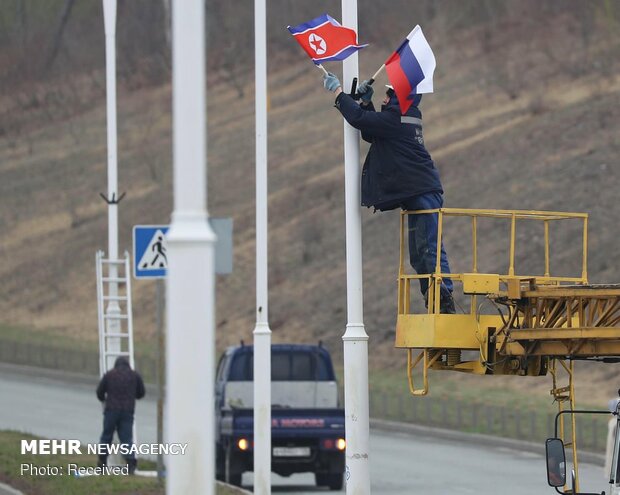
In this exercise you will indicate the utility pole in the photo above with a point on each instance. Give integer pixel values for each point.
(355, 338)
(190, 339)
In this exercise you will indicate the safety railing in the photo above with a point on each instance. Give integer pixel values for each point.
(405, 279)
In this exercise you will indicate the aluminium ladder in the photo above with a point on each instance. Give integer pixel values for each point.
(114, 311)
(115, 319)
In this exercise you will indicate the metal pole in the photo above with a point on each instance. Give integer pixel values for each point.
(113, 325)
(262, 332)
(190, 342)
(160, 374)
(355, 338)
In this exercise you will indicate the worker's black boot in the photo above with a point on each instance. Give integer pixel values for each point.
(103, 460)
(446, 304)
(133, 464)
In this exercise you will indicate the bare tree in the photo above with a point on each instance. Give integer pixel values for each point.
(167, 23)
(62, 22)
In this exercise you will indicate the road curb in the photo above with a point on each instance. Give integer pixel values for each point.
(236, 489)
(61, 376)
(49, 373)
(8, 490)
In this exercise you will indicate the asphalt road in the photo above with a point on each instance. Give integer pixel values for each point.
(400, 463)
(51, 408)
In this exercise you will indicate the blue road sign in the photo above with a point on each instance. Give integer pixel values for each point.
(149, 251)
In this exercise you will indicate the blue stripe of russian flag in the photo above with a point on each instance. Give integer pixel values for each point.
(410, 66)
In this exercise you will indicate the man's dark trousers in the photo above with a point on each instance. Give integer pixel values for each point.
(423, 239)
(122, 422)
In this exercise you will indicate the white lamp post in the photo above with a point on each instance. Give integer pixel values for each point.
(113, 310)
(190, 342)
(355, 337)
(262, 332)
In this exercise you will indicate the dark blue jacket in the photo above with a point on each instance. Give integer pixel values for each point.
(397, 166)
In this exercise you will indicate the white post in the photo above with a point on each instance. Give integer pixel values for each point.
(262, 332)
(113, 325)
(190, 340)
(355, 337)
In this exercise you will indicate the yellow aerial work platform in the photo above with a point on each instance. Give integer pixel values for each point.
(540, 324)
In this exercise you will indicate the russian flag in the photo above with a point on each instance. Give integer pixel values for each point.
(324, 39)
(410, 68)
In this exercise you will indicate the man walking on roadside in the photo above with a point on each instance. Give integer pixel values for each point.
(119, 388)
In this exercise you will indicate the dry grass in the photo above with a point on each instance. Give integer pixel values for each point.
(553, 146)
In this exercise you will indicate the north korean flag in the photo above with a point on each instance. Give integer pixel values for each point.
(324, 39)
(410, 68)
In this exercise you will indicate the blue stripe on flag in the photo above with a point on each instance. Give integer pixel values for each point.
(300, 28)
(341, 55)
(411, 67)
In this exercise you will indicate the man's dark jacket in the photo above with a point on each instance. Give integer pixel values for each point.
(397, 166)
(120, 387)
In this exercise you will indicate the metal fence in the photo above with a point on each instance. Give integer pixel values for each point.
(73, 360)
(506, 421)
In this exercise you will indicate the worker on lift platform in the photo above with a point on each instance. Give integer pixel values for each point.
(399, 172)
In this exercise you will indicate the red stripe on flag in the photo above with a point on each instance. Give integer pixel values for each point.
(399, 81)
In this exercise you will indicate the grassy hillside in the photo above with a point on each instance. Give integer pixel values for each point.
(525, 114)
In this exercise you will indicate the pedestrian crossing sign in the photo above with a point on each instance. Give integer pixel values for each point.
(149, 251)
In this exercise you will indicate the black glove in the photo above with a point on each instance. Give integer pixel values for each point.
(366, 91)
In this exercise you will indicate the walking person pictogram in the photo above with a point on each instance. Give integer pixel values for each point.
(161, 252)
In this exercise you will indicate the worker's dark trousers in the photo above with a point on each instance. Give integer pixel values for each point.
(423, 239)
(122, 422)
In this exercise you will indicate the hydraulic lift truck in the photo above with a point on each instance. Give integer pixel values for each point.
(541, 323)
